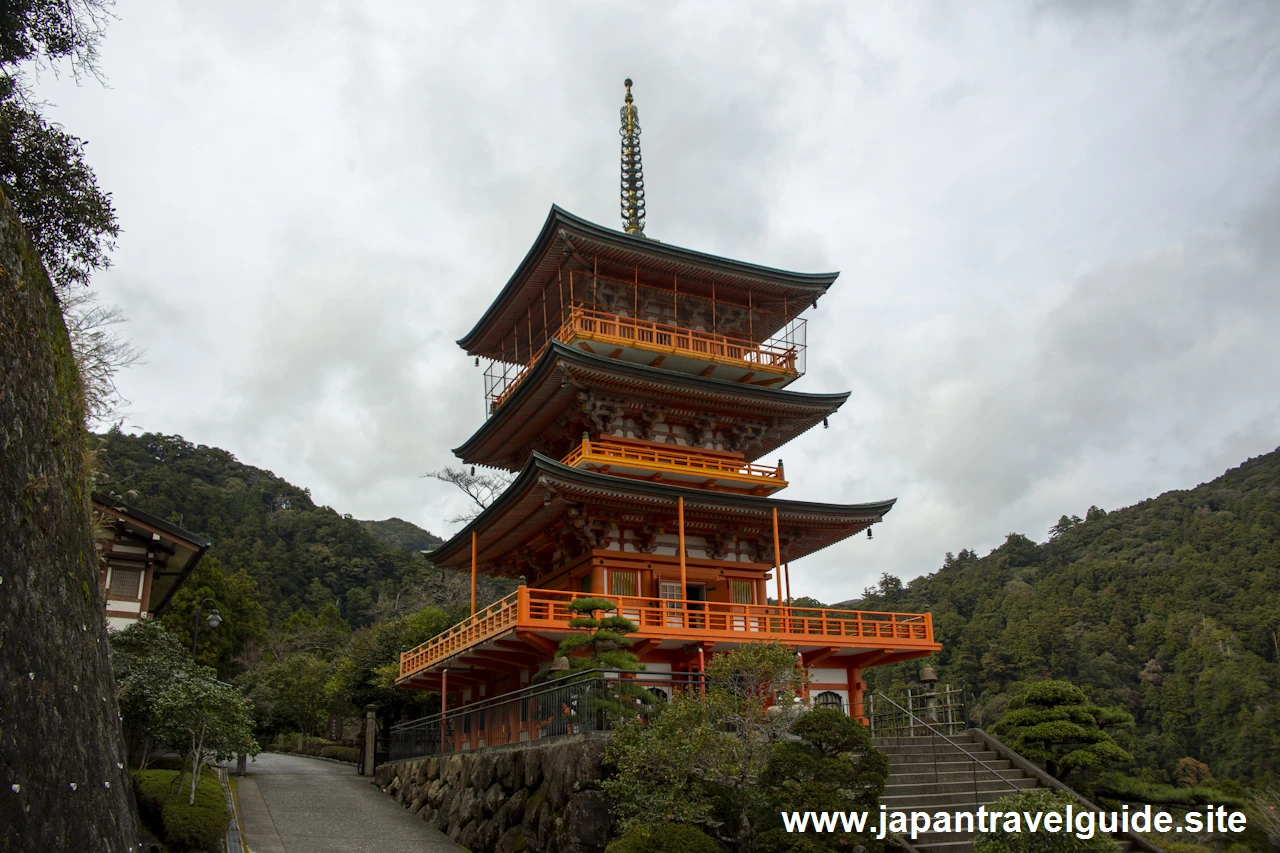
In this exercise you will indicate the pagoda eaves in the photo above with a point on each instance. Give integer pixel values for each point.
(587, 386)
(566, 240)
(557, 513)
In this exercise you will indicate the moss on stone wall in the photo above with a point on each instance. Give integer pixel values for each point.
(63, 783)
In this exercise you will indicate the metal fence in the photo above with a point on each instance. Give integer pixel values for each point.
(944, 708)
(589, 701)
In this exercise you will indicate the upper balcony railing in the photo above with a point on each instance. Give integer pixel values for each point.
(547, 610)
(696, 331)
(684, 465)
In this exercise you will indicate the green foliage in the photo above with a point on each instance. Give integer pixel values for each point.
(606, 644)
(237, 597)
(202, 719)
(144, 656)
(300, 555)
(699, 758)
(1189, 773)
(341, 753)
(1053, 724)
(833, 767)
(1169, 609)
(198, 825)
(70, 219)
(398, 533)
(663, 838)
(293, 689)
(1042, 801)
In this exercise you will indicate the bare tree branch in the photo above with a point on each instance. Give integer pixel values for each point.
(482, 489)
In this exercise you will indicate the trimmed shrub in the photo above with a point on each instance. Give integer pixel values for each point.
(162, 804)
(342, 753)
(1043, 801)
(663, 838)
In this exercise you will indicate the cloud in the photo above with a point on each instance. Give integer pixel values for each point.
(1054, 224)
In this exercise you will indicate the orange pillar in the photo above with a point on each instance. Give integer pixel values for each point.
(855, 694)
(684, 589)
(777, 557)
(787, 569)
(473, 573)
(444, 704)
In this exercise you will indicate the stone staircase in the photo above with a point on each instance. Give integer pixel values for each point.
(930, 774)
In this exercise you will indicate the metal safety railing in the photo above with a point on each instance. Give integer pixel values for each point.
(929, 730)
(589, 701)
(945, 708)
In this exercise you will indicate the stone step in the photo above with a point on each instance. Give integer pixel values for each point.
(955, 771)
(905, 789)
(945, 847)
(899, 759)
(986, 794)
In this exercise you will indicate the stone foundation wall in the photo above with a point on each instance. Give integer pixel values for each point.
(542, 798)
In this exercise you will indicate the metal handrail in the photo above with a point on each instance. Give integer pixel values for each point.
(937, 733)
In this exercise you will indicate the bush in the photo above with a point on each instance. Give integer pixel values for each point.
(163, 806)
(663, 838)
(1044, 801)
(341, 753)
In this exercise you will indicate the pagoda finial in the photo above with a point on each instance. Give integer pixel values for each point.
(632, 171)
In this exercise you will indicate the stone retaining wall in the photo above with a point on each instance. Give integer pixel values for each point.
(540, 798)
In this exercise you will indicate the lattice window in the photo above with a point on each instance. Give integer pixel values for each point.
(624, 583)
(742, 592)
(125, 583)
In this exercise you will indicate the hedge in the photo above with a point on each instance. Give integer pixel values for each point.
(163, 806)
(342, 753)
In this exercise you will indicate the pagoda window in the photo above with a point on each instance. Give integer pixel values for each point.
(624, 583)
(742, 592)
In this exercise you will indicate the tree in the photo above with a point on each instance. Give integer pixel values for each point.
(70, 219)
(1053, 724)
(237, 599)
(144, 656)
(203, 719)
(832, 767)
(698, 758)
(607, 642)
(482, 489)
(295, 689)
(1064, 524)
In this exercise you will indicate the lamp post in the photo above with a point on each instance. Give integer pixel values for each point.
(215, 619)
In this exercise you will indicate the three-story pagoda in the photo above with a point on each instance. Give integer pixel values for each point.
(635, 387)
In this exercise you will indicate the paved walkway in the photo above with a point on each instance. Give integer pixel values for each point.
(292, 804)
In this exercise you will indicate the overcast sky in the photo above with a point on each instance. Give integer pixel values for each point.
(1057, 227)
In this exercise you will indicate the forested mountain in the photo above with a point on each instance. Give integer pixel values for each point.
(301, 555)
(398, 533)
(1170, 608)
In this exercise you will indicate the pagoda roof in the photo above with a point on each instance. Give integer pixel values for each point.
(564, 235)
(554, 381)
(546, 490)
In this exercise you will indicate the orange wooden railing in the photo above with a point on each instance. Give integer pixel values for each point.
(494, 619)
(547, 610)
(661, 337)
(679, 460)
